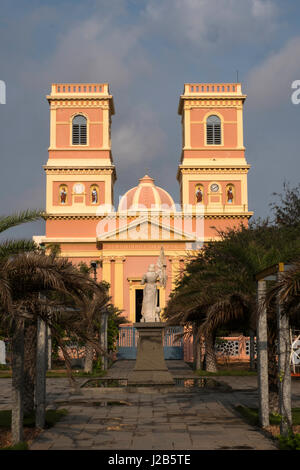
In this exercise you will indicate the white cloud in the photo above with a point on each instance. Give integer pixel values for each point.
(97, 48)
(206, 23)
(138, 139)
(269, 84)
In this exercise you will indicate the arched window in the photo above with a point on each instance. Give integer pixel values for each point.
(79, 130)
(213, 130)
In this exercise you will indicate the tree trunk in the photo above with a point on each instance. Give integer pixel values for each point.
(29, 366)
(41, 368)
(262, 355)
(196, 348)
(89, 355)
(17, 383)
(284, 370)
(272, 367)
(210, 355)
(103, 341)
(49, 349)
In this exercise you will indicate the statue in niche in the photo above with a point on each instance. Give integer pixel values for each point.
(150, 310)
(230, 195)
(94, 195)
(199, 195)
(63, 195)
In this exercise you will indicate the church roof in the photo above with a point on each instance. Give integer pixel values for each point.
(146, 196)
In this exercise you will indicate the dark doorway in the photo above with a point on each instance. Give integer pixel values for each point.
(138, 304)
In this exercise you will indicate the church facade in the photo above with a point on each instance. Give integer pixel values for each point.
(80, 176)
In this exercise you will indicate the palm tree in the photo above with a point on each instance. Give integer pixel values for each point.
(26, 276)
(92, 308)
(219, 285)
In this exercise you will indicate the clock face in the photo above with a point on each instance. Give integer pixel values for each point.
(214, 187)
(78, 188)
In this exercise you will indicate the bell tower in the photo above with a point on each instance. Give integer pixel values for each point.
(213, 169)
(80, 172)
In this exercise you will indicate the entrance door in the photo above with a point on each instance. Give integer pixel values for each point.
(138, 304)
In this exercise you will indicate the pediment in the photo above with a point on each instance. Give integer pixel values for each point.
(143, 229)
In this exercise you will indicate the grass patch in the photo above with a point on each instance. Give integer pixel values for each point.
(76, 373)
(292, 442)
(19, 446)
(225, 372)
(59, 373)
(52, 417)
(30, 432)
(251, 415)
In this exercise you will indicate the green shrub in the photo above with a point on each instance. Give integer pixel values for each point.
(292, 442)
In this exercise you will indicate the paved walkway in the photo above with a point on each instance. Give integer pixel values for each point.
(167, 418)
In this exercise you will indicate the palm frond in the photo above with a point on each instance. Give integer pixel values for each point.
(13, 247)
(9, 221)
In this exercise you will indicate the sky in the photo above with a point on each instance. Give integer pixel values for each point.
(146, 50)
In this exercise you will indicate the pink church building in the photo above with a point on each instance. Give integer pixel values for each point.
(80, 175)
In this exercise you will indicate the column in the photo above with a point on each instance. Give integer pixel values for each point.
(41, 367)
(119, 282)
(284, 370)
(262, 355)
(106, 271)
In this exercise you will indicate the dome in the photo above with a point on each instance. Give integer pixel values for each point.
(146, 196)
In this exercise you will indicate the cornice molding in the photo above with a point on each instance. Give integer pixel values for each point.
(241, 215)
(80, 170)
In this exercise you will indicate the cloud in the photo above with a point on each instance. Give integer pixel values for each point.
(213, 23)
(269, 84)
(96, 49)
(138, 139)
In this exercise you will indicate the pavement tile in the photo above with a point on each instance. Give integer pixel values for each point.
(158, 419)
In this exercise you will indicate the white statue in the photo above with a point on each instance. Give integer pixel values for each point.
(150, 311)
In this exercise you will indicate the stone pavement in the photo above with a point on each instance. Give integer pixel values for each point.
(158, 418)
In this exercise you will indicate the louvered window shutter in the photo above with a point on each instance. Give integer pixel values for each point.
(213, 130)
(79, 132)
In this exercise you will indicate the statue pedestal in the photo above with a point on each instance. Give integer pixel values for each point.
(150, 367)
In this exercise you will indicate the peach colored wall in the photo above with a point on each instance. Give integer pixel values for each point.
(95, 135)
(222, 224)
(65, 114)
(228, 114)
(71, 228)
(230, 135)
(197, 135)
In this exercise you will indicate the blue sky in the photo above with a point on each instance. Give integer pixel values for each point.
(147, 50)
